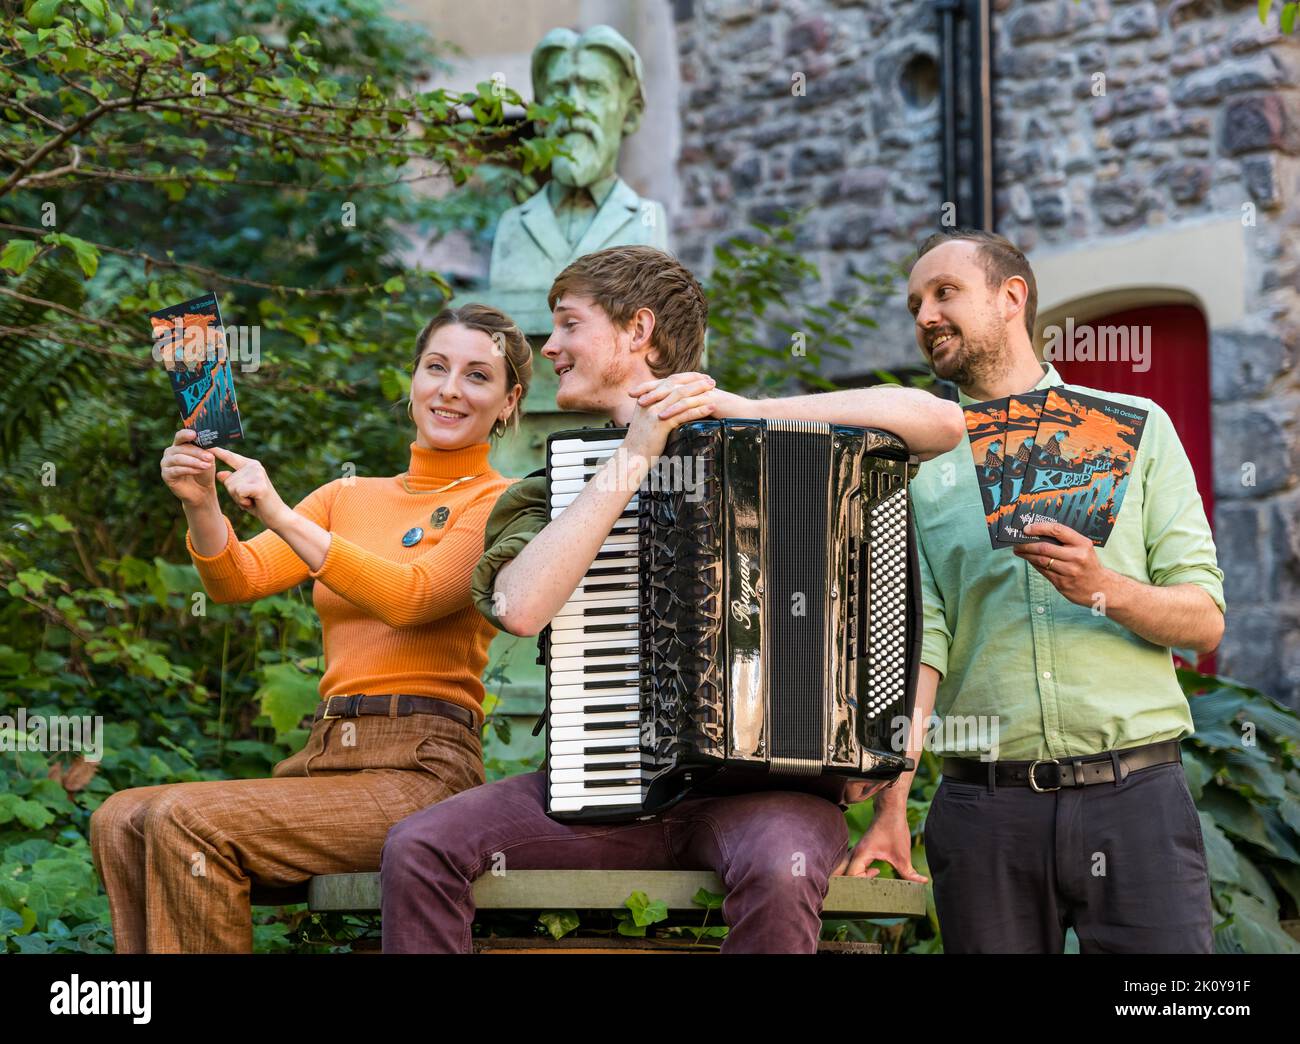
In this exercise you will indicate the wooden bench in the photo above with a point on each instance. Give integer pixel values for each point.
(849, 898)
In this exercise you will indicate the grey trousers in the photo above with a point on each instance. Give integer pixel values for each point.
(1123, 864)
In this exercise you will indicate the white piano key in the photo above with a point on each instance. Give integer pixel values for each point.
(628, 562)
(625, 595)
(577, 637)
(623, 525)
(573, 692)
(579, 705)
(580, 744)
(583, 678)
(577, 804)
(584, 446)
(568, 733)
(563, 500)
(565, 472)
(573, 618)
(588, 793)
(579, 775)
(584, 719)
(596, 761)
(621, 657)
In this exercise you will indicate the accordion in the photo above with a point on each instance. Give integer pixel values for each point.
(752, 621)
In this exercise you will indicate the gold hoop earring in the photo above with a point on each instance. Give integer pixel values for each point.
(410, 412)
(499, 428)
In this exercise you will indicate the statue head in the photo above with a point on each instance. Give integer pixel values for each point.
(600, 73)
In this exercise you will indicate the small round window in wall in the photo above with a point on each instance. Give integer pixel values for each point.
(918, 81)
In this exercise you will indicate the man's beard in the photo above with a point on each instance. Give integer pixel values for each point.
(973, 360)
(615, 375)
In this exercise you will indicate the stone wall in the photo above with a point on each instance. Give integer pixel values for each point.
(1197, 117)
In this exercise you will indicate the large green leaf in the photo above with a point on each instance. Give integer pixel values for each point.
(1255, 771)
(287, 695)
(1256, 927)
(1236, 816)
(1272, 719)
(1219, 853)
(1253, 882)
(1196, 771)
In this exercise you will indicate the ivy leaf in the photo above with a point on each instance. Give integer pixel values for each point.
(644, 910)
(559, 922)
(708, 900)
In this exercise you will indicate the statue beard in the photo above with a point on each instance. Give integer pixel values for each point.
(588, 160)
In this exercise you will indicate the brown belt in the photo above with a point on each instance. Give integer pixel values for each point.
(355, 705)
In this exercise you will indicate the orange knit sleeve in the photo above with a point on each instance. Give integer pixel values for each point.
(417, 592)
(246, 570)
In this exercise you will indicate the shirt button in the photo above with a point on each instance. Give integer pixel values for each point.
(1039, 609)
(1047, 674)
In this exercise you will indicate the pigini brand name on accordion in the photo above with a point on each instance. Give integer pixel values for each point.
(747, 605)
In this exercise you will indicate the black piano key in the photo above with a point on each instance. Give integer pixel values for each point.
(606, 668)
(612, 588)
(631, 748)
(610, 683)
(592, 784)
(607, 610)
(609, 708)
(610, 628)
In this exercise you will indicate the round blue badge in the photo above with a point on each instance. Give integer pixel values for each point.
(412, 536)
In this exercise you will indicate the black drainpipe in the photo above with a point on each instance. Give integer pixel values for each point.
(973, 49)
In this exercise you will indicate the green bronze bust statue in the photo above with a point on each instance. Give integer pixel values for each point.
(586, 206)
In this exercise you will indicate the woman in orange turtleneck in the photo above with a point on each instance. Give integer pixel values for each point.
(397, 727)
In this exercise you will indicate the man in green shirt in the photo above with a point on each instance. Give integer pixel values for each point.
(1063, 801)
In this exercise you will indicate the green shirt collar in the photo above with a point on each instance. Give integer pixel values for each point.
(1050, 377)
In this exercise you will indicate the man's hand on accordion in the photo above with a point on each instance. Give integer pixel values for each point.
(666, 404)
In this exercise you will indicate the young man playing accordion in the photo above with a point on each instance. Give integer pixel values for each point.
(628, 336)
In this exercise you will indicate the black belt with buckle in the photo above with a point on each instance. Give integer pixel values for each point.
(1048, 774)
(358, 704)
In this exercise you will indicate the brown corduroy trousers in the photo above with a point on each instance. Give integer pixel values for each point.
(177, 860)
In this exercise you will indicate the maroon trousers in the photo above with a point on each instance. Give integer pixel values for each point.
(775, 852)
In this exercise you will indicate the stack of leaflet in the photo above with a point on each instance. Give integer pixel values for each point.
(1055, 455)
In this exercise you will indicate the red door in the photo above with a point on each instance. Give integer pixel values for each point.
(1177, 376)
